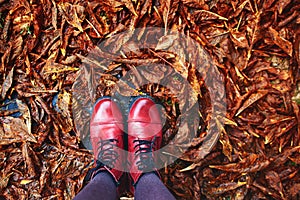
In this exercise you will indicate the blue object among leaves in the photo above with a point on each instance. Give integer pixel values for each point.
(11, 106)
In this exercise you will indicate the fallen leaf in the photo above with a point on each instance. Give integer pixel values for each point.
(251, 100)
(7, 83)
(284, 44)
(14, 130)
(25, 182)
(73, 14)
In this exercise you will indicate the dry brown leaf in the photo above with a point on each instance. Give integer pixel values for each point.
(239, 38)
(284, 44)
(165, 42)
(7, 83)
(14, 131)
(251, 100)
(73, 14)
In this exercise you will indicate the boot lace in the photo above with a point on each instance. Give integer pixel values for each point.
(107, 155)
(144, 152)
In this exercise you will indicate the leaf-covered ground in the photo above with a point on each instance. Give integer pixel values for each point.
(254, 45)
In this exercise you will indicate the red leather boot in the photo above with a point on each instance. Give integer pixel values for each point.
(144, 137)
(106, 133)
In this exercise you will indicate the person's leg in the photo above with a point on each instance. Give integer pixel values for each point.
(102, 186)
(150, 187)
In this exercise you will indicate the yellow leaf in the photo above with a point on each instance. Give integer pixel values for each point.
(24, 182)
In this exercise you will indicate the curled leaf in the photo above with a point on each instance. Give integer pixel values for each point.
(284, 44)
(7, 83)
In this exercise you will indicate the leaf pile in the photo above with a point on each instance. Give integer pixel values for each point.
(254, 45)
